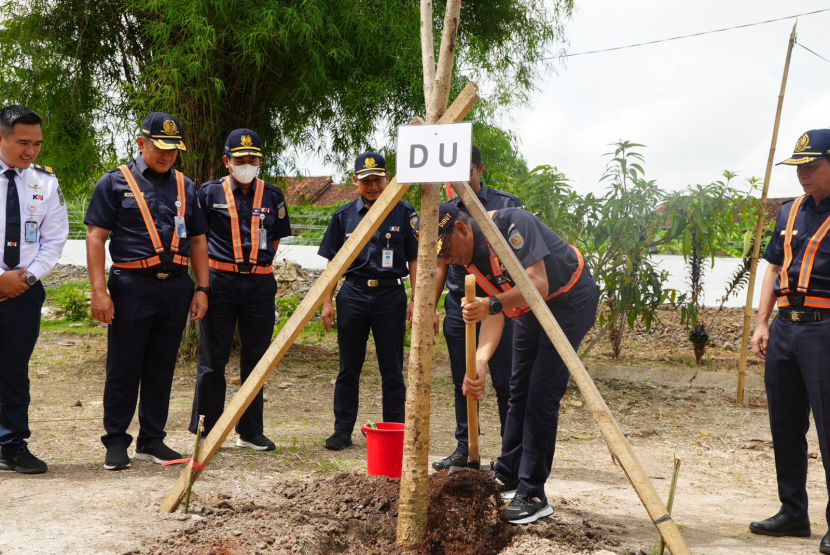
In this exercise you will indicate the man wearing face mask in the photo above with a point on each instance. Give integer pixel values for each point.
(247, 218)
(149, 213)
(372, 298)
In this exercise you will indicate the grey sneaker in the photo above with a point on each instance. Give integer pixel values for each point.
(524, 510)
(157, 452)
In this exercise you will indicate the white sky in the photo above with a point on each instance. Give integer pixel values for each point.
(700, 105)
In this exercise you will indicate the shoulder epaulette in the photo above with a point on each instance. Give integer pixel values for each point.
(45, 169)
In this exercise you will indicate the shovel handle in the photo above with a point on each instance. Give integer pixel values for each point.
(472, 406)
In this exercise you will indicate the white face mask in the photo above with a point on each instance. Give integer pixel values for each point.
(245, 173)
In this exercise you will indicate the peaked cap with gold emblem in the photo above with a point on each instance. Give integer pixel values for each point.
(810, 146)
(164, 130)
(369, 163)
(243, 142)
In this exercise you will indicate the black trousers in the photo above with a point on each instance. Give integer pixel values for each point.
(797, 378)
(19, 329)
(539, 380)
(455, 333)
(383, 311)
(142, 347)
(246, 299)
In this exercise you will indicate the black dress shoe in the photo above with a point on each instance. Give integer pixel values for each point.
(824, 546)
(457, 459)
(783, 525)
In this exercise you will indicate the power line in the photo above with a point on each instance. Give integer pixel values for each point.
(810, 51)
(572, 54)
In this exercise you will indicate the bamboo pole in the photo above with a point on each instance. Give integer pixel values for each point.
(304, 312)
(412, 505)
(614, 437)
(759, 229)
(662, 547)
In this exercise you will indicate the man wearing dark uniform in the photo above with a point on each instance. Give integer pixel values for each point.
(540, 376)
(247, 219)
(150, 213)
(372, 297)
(796, 347)
(455, 329)
(34, 228)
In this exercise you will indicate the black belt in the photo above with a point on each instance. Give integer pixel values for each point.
(383, 282)
(155, 273)
(804, 315)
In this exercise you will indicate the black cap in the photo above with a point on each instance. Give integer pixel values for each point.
(447, 214)
(243, 142)
(812, 145)
(370, 163)
(164, 130)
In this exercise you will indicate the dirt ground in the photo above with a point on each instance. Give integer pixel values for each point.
(304, 499)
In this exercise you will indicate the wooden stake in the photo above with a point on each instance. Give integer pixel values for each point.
(759, 229)
(607, 424)
(304, 312)
(473, 457)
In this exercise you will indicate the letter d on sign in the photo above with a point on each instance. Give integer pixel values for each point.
(424, 153)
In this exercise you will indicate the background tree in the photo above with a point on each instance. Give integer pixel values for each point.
(320, 75)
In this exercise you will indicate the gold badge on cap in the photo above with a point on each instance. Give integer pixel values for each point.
(802, 143)
(170, 127)
(246, 140)
(370, 163)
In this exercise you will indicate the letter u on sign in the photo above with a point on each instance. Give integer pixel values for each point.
(434, 153)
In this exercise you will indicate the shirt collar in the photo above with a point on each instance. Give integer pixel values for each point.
(4, 167)
(482, 194)
(480, 249)
(360, 205)
(823, 206)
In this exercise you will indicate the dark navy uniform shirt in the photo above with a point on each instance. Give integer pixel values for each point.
(400, 225)
(531, 241)
(491, 199)
(114, 207)
(809, 219)
(220, 238)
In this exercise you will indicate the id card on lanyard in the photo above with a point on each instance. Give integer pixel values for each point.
(388, 254)
(181, 229)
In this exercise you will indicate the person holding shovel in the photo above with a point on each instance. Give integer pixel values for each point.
(454, 327)
(795, 347)
(539, 377)
(372, 298)
(247, 217)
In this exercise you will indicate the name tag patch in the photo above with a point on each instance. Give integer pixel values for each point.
(220, 205)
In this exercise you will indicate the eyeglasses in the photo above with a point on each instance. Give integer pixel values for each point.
(445, 247)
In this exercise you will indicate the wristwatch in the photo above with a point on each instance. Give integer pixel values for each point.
(31, 279)
(205, 290)
(495, 305)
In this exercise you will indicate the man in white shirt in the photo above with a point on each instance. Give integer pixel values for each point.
(34, 227)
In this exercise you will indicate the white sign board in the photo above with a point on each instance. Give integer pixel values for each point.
(434, 153)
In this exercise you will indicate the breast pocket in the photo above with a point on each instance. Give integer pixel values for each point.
(131, 213)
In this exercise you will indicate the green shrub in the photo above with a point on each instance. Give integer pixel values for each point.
(72, 300)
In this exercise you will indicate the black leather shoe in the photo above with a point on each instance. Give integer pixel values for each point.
(824, 546)
(339, 440)
(783, 525)
(457, 459)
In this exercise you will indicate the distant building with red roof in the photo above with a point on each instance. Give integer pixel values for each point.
(315, 190)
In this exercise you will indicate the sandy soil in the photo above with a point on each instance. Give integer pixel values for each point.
(304, 499)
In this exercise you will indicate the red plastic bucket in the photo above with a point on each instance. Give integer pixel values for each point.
(384, 448)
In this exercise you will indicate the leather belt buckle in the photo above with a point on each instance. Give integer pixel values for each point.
(245, 268)
(795, 316)
(162, 275)
(372, 282)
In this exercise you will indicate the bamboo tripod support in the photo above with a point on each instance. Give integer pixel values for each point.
(617, 442)
(759, 229)
(328, 279)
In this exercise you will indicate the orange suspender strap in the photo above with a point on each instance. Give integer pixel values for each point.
(142, 206)
(810, 256)
(814, 302)
(574, 277)
(255, 220)
(180, 210)
(235, 235)
(788, 247)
